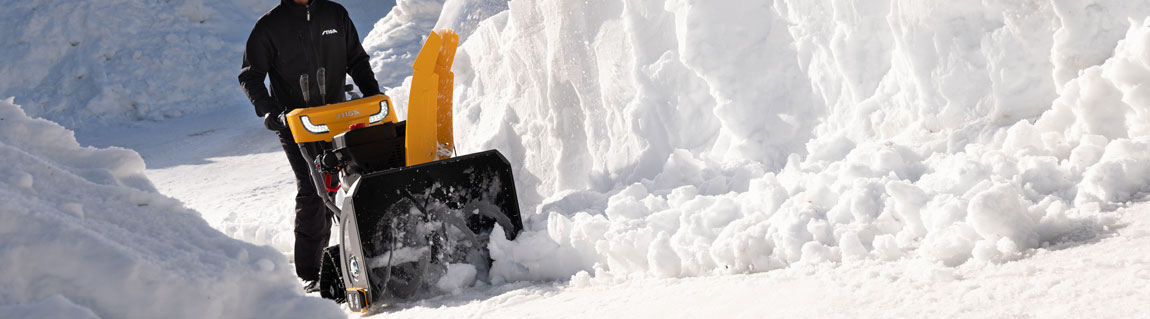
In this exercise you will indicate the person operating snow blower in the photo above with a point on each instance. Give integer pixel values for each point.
(305, 47)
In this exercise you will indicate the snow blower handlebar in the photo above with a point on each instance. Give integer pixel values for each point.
(323, 123)
(321, 179)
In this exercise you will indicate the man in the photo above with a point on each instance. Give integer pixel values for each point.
(295, 39)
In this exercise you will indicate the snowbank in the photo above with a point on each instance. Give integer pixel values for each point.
(84, 62)
(398, 37)
(84, 235)
(77, 62)
(683, 138)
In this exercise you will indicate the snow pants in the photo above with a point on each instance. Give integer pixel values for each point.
(312, 218)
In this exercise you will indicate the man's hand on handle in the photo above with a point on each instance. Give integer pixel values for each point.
(275, 121)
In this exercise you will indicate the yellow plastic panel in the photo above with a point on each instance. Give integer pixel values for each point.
(445, 135)
(338, 117)
(421, 140)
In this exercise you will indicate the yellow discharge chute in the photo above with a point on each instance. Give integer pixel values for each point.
(429, 125)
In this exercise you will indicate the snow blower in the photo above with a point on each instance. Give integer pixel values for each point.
(406, 207)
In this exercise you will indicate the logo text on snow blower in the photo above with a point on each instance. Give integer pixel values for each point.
(329, 31)
(347, 114)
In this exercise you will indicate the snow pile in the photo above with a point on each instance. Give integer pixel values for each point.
(464, 16)
(84, 235)
(77, 62)
(80, 61)
(682, 138)
(365, 13)
(396, 39)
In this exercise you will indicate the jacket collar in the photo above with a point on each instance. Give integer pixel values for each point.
(292, 3)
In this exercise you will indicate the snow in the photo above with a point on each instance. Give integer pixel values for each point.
(673, 158)
(458, 276)
(228, 168)
(395, 40)
(80, 61)
(1102, 279)
(54, 306)
(85, 234)
(85, 62)
(655, 143)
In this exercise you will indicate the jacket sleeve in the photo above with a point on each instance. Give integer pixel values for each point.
(358, 62)
(257, 60)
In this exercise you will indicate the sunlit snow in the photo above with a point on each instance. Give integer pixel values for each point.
(673, 158)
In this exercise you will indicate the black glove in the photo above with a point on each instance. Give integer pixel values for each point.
(275, 121)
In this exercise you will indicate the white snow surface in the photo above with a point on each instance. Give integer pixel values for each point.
(84, 234)
(688, 138)
(673, 158)
(98, 62)
(1103, 279)
(92, 61)
(397, 38)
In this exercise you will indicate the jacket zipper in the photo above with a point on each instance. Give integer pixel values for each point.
(313, 58)
(314, 46)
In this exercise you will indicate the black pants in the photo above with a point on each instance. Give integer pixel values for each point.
(312, 218)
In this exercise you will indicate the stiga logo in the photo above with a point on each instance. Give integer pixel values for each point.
(329, 31)
(347, 114)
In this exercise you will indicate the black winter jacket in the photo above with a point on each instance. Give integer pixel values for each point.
(292, 40)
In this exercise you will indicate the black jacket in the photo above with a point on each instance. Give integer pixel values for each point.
(292, 40)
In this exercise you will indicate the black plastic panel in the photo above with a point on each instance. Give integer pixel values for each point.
(404, 207)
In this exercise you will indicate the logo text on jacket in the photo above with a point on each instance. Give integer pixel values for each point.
(329, 31)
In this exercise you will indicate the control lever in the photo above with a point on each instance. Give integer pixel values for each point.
(321, 76)
(303, 85)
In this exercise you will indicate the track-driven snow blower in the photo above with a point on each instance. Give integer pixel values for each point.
(406, 207)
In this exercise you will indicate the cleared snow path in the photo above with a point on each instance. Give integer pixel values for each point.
(224, 165)
(1102, 279)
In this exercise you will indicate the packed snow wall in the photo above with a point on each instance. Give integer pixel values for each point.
(83, 234)
(396, 39)
(678, 138)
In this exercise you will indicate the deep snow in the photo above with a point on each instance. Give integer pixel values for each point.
(83, 233)
(84, 63)
(655, 142)
(898, 158)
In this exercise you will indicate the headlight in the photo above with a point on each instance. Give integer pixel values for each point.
(379, 116)
(314, 129)
(353, 267)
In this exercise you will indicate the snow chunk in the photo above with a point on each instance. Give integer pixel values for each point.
(458, 276)
(998, 213)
